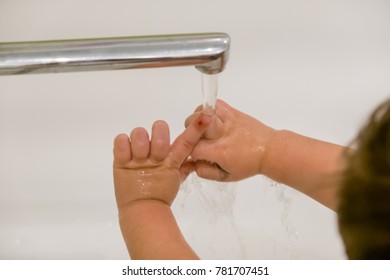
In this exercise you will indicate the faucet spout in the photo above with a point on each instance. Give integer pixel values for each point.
(208, 52)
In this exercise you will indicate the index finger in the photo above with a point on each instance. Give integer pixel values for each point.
(185, 142)
(214, 130)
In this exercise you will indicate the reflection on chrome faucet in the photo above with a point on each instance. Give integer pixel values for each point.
(208, 52)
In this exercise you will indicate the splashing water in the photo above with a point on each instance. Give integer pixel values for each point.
(213, 203)
(286, 200)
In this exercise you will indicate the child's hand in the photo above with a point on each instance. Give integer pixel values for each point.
(234, 146)
(152, 169)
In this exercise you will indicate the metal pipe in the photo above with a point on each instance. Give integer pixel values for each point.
(208, 52)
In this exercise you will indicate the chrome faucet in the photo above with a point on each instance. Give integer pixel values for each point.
(208, 52)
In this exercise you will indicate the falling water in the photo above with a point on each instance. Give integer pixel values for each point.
(209, 93)
(209, 205)
(212, 202)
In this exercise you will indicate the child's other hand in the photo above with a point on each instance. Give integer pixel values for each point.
(152, 169)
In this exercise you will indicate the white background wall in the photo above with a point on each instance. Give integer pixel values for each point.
(315, 67)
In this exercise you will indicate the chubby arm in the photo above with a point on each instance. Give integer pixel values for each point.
(150, 231)
(311, 166)
(147, 176)
(237, 146)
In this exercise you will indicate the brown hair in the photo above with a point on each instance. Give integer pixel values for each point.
(364, 205)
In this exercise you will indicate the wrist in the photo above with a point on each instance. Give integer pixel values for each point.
(139, 214)
(273, 152)
(138, 208)
(150, 231)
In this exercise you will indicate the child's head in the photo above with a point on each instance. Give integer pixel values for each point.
(364, 205)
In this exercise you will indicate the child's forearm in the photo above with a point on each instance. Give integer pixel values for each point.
(150, 231)
(311, 166)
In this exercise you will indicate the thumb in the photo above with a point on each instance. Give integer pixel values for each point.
(211, 171)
